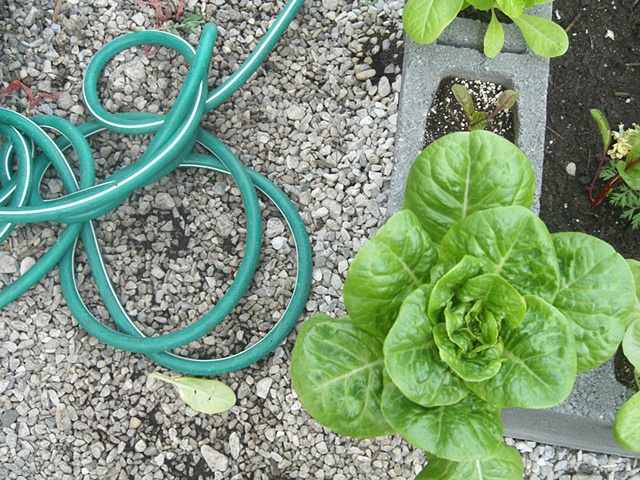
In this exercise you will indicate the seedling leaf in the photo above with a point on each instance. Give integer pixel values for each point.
(511, 8)
(202, 394)
(478, 121)
(463, 97)
(543, 37)
(481, 4)
(424, 20)
(603, 127)
(506, 100)
(630, 173)
(494, 38)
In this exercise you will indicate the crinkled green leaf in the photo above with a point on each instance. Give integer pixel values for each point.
(465, 172)
(494, 37)
(468, 430)
(202, 394)
(504, 464)
(632, 316)
(337, 371)
(634, 266)
(543, 37)
(412, 358)
(474, 310)
(512, 242)
(448, 284)
(498, 297)
(596, 294)
(626, 427)
(396, 261)
(424, 20)
(539, 366)
(484, 364)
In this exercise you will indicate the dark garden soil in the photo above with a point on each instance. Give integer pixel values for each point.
(601, 70)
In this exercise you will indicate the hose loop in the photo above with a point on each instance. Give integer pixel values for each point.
(28, 152)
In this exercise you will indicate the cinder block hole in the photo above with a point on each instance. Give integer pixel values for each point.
(446, 115)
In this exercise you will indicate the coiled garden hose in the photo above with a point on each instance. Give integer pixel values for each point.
(27, 153)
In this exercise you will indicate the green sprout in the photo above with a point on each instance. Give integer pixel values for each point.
(621, 173)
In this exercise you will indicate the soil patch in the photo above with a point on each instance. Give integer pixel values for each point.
(600, 70)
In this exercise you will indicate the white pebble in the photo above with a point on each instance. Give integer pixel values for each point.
(275, 227)
(295, 112)
(216, 461)
(26, 264)
(234, 445)
(278, 243)
(384, 87)
(8, 263)
(571, 169)
(263, 387)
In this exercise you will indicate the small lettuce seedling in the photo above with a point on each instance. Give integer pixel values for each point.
(425, 20)
(462, 304)
(477, 120)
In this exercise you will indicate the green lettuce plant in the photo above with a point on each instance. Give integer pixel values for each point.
(462, 304)
(425, 20)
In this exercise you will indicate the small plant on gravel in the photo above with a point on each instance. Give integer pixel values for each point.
(425, 20)
(17, 85)
(190, 24)
(621, 173)
(477, 120)
(164, 12)
(462, 304)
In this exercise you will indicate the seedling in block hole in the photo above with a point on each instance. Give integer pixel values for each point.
(479, 120)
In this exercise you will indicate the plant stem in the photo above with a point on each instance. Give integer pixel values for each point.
(612, 183)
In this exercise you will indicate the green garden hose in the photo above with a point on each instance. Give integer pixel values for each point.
(174, 137)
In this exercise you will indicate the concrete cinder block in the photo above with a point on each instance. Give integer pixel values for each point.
(458, 53)
(584, 420)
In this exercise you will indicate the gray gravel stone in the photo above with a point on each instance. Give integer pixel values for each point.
(9, 417)
(8, 263)
(164, 201)
(65, 101)
(216, 461)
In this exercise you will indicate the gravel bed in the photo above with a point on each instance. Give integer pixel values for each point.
(319, 120)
